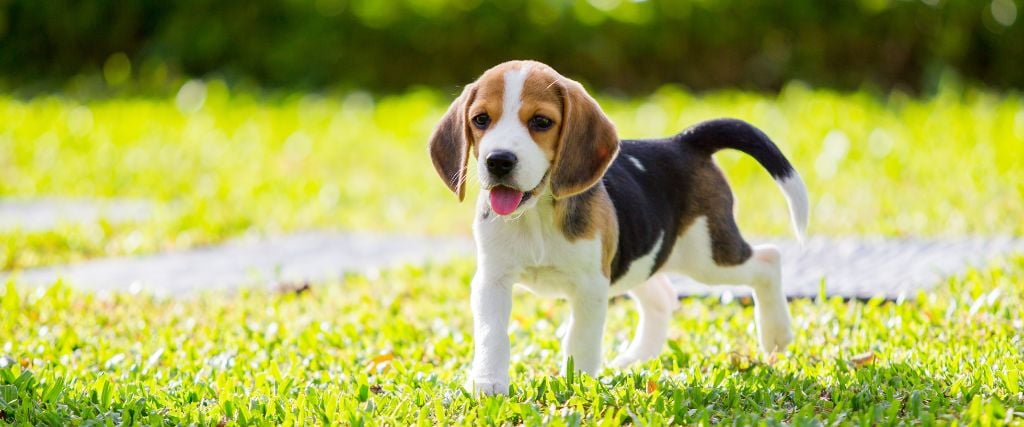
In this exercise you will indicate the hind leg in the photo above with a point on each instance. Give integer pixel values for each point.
(656, 300)
(759, 268)
(771, 311)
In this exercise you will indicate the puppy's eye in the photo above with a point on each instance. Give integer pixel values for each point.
(481, 120)
(540, 123)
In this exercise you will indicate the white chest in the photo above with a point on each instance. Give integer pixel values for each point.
(534, 252)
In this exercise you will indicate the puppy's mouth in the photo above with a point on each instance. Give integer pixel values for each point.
(505, 200)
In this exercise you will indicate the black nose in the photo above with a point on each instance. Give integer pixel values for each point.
(500, 163)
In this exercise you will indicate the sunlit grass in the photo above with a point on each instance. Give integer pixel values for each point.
(394, 350)
(218, 164)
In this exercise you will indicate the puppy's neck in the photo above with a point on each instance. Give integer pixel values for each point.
(574, 215)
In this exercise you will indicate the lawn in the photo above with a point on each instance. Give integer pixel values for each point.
(239, 163)
(394, 348)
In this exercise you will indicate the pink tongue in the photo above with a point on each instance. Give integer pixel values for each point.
(505, 200)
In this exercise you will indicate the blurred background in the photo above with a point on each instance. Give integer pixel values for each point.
(217, 119)
(617, 46)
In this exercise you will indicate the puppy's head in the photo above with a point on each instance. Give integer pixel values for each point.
(531, 130)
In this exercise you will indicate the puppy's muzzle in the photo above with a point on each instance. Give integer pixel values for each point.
(500, 163)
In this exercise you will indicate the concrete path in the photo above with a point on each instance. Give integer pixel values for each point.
(40, 214)
(863, 268)
(299, 258)
(851, 267)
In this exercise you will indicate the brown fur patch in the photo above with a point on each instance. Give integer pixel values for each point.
(450, 142)
(489, 94)
(712, 197)
(541, 96)
(587, 143)
(587, 214)
(608, 224)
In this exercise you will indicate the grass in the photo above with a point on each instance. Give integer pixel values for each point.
(236, 163)
(394, 348)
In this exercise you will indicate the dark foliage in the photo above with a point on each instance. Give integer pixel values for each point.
(622, 45)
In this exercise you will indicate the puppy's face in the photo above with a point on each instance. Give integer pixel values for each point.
(531, 130)
(515, 119)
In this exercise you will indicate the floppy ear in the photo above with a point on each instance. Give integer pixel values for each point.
(449, 145)
(587, 145)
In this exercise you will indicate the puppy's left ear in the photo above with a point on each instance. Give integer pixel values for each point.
(449, 145)
(587, 145)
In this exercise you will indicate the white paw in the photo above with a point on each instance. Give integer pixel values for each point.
(775, 333)
(490, 388)
(631, 357)
(624, 360)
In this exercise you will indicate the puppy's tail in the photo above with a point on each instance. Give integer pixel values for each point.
(714, 135)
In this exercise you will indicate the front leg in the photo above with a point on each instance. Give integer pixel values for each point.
(586, 327)
(491, 302)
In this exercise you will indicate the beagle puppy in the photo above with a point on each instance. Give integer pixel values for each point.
(569, 210)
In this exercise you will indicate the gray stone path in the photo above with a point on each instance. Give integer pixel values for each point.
(40, 214)
(863, 268)
(304, 257)
(851, 267)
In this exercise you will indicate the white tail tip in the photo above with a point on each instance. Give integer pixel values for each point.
(796, 196)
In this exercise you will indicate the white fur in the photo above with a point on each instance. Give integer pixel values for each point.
(636, 162)
(530, 251)
(509, 133)
(796, 196)
(692, 255)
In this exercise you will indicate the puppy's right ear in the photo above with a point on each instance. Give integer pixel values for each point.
(449, 145)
